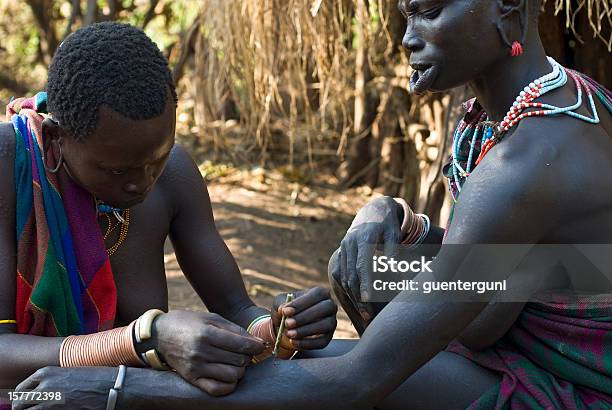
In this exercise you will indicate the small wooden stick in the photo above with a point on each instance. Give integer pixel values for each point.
(281, 328)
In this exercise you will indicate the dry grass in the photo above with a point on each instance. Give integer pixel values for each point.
(289, 67)
(599, 13)
(287, 64)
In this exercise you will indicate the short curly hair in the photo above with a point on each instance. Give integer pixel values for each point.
(111, 64)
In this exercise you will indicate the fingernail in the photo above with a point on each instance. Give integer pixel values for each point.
(291, 333)
(288, 311)
(290, 322)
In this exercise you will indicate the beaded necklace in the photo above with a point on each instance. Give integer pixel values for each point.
(476, 135)
(123, 220)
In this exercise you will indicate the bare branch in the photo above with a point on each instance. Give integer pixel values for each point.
(150, 14)
(42, 11)
(91, 14)
(186, 47)
(74, 13)
(113, 7)
(168, 50)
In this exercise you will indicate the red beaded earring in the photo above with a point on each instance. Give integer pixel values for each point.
(517, 49)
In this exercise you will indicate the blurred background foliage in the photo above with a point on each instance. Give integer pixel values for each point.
(308, 87)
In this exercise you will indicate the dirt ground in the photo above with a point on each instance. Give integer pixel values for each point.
(281, 234)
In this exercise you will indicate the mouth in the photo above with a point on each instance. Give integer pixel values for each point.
(135, 201)
(128, 203)
(422, 77)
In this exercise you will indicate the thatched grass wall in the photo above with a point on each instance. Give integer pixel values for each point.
(298, 81)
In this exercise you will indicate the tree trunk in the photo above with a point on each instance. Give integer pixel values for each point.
(351, 171)
(43, 14)
(411, 173)
(91, 13)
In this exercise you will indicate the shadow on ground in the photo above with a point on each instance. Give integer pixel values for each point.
(281, 240)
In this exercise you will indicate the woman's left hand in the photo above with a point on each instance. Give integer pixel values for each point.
(80, 387)
(310, 318)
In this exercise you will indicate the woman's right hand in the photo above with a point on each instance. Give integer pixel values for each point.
(377, 223)
(207, 350)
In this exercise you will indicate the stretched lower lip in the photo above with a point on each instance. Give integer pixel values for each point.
(421, 81)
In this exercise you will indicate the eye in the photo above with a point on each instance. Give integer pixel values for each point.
(433, 13)
(117, 171)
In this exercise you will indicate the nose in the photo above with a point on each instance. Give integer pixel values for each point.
(141, 183)
(135, 189)
(411, 41)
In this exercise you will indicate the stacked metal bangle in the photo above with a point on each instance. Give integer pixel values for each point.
(415, 227)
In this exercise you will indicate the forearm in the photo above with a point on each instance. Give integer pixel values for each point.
(435, 236)
(403, 337)
(376, 368)
(431, 244)
(246, 315)
(270, 385)
(492, 323)
(22, 355)
(414, 327)
(222, 289)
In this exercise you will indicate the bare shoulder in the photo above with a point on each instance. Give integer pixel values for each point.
(579, 154)
(522, 188)
(181, 182)
(180, 167)
(523, 163)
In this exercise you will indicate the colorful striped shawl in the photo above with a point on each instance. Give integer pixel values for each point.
(557, 355)
(65, 284)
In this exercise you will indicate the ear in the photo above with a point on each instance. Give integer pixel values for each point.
(506, 25)
(510, 6)
(51, 131)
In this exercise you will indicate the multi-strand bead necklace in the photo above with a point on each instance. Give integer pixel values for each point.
(123, 221)
(476, 134)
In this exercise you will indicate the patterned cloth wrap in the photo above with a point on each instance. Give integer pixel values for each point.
(557, 355)
(65, 285)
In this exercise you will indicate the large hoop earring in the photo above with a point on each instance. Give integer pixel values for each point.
(59, 162)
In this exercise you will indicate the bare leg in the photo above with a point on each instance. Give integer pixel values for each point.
(448, 381)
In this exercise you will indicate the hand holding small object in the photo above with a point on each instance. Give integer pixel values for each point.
(309, 319)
